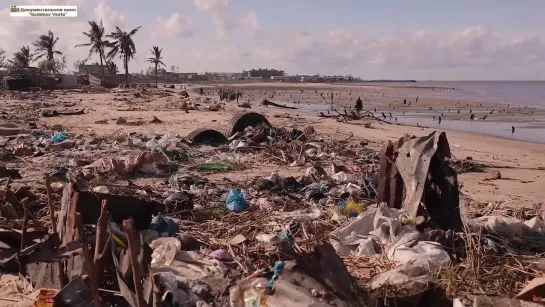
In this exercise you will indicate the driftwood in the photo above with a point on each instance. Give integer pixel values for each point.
(136, 269)
(102, 242)
(265, 102)
(353, 116)
(53, 113)
(88, 261)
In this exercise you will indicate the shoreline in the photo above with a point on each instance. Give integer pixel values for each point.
(493, 119)
(521, 163)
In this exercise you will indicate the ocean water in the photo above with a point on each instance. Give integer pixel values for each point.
(522, 93)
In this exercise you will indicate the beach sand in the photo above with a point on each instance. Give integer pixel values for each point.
(520, 163)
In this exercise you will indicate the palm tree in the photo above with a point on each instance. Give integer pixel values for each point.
(97, 43)
(22, 58)
(112, 67)
(124, 46)
(156, 59)
(45, 46)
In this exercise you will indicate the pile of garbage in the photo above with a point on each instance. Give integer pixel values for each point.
(356, 227)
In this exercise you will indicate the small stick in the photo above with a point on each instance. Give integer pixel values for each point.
(63, 279)
(4, 198)
(102, 240)
(136, 270)
(23, 230)
(50, 204)
(88, 261)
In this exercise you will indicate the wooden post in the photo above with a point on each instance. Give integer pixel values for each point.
(50, 205)
(136, 270)
(101, 243)
(88, 261)
(63, 279)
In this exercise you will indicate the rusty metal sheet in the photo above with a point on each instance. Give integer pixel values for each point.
(415, 172)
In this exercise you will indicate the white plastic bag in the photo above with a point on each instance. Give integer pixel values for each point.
(164, 250)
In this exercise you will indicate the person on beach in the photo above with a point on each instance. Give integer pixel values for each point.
(359, 105)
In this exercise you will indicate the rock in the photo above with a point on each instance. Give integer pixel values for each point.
(495, 175)
(121, 121)
(155, 120)
(309, 130)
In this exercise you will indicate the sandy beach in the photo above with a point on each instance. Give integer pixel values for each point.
(520, 163)
(107, 119)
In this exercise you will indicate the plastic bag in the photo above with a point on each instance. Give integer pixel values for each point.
(343, 177)
(58, 137)
(350, 208)
(165, 250)
(163, 225)
(235, 201)
(249, 293)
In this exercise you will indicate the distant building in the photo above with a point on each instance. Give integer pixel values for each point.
(263, 73)
(94, 69)
(286, 78)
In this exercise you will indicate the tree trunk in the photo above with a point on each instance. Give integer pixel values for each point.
(126, 63)
(102, 68)
(156, 75)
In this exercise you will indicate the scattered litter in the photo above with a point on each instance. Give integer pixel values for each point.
(236, 202)
(58, 137)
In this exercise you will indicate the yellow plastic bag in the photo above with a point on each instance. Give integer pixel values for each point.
(352, 208)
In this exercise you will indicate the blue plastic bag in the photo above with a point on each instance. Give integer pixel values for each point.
(58, 137)
(235, 201)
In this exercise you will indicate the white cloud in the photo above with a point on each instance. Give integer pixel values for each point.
(175, 26)
(110, 18)
(345, 51)
(463, 53)
(19, 31)
(250, 23)
(219, 11)
(224, 20)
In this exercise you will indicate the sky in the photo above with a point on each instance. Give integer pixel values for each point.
(390, 39)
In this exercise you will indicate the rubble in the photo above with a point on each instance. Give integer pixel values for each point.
(147, 219)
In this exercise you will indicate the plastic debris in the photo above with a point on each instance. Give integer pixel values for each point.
(58, 137)
(165, 250)
(349, 208)
(277, 269)
(101, 189)
(45, 298)
(215, 166)
(221, 255)
(164, 225)
(236, 202)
